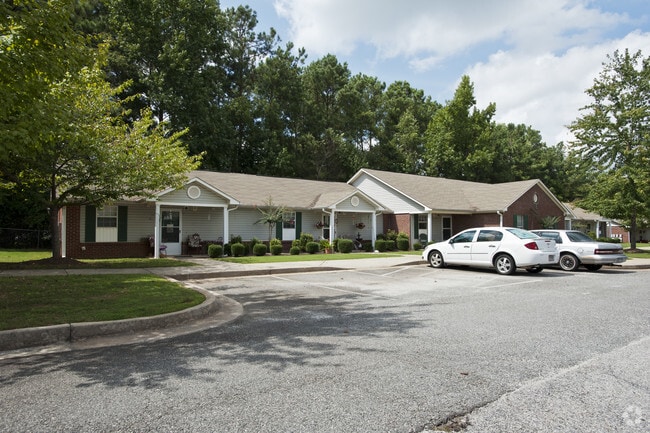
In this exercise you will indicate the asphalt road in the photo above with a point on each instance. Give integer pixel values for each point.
(381, 350)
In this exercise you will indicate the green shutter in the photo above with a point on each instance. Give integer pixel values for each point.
(91, 222)
(122, 214)
(278, 230)
(526, 222)
(298, 224)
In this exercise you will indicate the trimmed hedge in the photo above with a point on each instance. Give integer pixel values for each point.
(345, 246)
(312, 247)
(276, 249)
(237, 249)
(294, 251)
(403, 244)
(215, 251)
(380, 245)
(259, 249)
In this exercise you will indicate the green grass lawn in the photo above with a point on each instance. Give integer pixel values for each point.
(51, 300)
(319, 257)
(28, 259)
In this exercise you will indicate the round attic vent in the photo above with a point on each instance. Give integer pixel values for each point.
(194, 192)
(354, 201)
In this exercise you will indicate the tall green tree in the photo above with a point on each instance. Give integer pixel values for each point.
(87, 154)
(278, 97)
(459, 141)
(613, 135)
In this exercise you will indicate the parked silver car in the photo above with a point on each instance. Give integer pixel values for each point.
(576, 248)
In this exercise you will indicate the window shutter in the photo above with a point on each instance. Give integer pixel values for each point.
(298, 224)
(526, 222)
(91, 222)
(122, 214)
(278, 230)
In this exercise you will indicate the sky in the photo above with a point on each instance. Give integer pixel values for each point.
(534, 59)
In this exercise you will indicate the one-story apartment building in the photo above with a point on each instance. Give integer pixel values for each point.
(215, 206)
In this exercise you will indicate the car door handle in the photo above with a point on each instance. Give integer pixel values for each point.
(466, 246)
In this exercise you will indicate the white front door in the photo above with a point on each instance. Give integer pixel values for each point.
(170, 231)
(289, 226)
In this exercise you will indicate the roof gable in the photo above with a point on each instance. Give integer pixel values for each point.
(450, 195)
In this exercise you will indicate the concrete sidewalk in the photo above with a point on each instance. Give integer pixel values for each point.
(215, 311)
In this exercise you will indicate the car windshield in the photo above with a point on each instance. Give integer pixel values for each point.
(523, 234)
(578, 237)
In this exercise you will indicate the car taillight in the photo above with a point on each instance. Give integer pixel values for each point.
(597, 251)
(532, 246)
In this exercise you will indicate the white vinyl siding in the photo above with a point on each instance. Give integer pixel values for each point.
(393, 200)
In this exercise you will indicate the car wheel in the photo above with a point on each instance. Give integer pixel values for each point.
(535, 270)
(505, 264)
(436, 260)
(593, 267)
(569, 262)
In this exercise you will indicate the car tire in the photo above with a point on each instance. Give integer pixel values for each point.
(593, 267)
(436, 260)
(535, 270)
(504, 264)
(569, 262)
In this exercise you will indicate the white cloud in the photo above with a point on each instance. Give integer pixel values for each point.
(534, 59)
(425, 29)
(545, 91)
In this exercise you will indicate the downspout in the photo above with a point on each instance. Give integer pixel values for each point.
(500, 218)
(226, 224)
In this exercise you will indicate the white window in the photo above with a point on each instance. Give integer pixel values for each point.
(106, 224)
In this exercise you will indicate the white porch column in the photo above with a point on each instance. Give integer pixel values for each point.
(226, 224)
(64, 235)
(373, 228)
(156, 233)
(429, 227)
(332, 225)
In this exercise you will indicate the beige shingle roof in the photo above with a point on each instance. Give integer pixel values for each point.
(454, 195)
(252, 190)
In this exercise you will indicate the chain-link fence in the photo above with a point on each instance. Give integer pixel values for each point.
(24, 238)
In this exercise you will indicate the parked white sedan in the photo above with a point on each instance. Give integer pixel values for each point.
(502, 248)
(576, 248)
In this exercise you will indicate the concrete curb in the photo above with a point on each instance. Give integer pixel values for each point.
(71, 332)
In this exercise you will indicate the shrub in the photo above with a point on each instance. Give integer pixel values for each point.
(367, 246)
(236, 240)
(276, 249)
(345, 246)
(305, 238)
(254, 242)
(226, 250)
(259, 249)
(294, 251)
(335, 246)
(312, 247)
(417, 246)
(390, 245)
(380, 245)
(403, 244)
(238, 249)
(215, 250)
(275, 241)
(296, 243)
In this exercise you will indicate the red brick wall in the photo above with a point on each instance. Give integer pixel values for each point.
(621, 233)
(398, 222)
(525, 205)
(75, 249)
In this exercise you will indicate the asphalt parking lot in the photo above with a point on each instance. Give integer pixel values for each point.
(399, 349)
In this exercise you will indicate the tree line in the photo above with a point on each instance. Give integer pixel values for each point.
(239, 100)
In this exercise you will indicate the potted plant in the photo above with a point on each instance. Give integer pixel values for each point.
(360, 226)
(325, 246)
